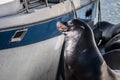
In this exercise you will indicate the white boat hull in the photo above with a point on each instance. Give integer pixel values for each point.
(31, 62)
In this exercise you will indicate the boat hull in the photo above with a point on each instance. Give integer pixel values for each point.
(38, 61)
(35, 55)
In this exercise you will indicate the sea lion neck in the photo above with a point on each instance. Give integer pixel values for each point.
(73, 41)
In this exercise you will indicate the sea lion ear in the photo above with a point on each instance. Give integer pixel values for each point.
(61, 27)
(82, 27)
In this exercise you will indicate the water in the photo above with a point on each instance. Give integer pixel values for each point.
(110, 11)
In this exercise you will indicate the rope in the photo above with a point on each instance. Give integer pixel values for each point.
(99, 12)
(73, 8)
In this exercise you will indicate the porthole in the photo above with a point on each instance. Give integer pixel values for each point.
(19, 35)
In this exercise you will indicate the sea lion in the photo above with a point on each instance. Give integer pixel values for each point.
(83, 60)
(112, 59)
(113, 43)
(103, 32)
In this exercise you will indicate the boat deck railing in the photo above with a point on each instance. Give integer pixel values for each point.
(25, 6)
(14, 7)
(28, 4)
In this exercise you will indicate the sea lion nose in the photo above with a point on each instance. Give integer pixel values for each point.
(61, 26)
(58, 24)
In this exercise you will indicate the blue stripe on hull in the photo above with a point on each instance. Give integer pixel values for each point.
(36, 32)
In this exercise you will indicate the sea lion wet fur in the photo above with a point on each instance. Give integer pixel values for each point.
(83, 60)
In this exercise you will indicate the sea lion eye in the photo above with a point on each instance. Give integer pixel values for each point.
(70, 23)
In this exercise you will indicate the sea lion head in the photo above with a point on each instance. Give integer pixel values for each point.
(72, 25)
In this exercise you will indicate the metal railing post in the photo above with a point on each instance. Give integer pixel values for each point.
(26, 5)
(46, 3)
